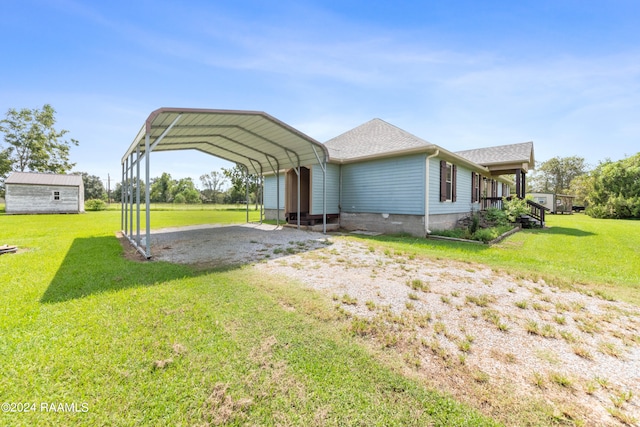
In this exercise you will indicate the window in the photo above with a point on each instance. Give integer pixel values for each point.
(447, 181)
(56, 195)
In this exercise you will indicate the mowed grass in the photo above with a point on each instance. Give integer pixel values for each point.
(598, 255)
(170, 215)
(129, 343)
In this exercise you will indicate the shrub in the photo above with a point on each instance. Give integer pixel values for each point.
(514, 208)
(179, 199)
(497, 216)
(475, 223)
(486, 234)
(95, 205)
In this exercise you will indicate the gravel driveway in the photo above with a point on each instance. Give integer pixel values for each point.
(463, 327)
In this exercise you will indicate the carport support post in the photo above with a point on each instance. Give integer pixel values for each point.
(131, 195)
(147, 197)
(324, 198)
(277, 197)
(246, 188)
(123, 221)
(298, 172)
(138, 195)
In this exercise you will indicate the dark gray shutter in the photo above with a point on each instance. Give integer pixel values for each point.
(454, 170)
(443, 181)
(473, 187)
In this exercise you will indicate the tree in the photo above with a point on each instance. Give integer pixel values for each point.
(117, 192)
(616, 189)
(93, 187)
(161, 190)
(213, 183)
(33, 143)
(581, 186)
(186, 189)
(239, 178)
(555, 175)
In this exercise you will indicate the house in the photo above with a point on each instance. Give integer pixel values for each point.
(384, 179)
(375, 177)
(31, 193)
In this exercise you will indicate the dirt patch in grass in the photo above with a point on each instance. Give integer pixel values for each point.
(516, 348)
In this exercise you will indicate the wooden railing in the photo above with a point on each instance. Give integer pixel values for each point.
(537, 211)
(490, 202)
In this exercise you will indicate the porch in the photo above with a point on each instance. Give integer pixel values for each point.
(536, 211)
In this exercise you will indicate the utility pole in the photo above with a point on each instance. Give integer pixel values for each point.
(108, 188)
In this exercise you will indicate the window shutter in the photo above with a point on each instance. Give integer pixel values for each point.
(473, 187)
(443, 181)
(453, 182)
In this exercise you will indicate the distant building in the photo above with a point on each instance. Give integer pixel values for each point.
(555, 203)
(42, 193)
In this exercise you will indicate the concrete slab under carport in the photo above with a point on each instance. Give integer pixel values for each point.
(214, 245)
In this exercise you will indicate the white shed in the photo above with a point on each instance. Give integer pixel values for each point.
(38, 193)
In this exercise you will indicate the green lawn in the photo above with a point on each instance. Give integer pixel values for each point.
(150, 343)
(162, 216)
(188, 207)
(602, 255)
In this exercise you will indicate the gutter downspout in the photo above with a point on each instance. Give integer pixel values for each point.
(426, 194)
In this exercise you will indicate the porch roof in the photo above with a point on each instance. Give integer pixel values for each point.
(503, 159)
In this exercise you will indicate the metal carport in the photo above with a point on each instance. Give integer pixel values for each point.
(253, 139)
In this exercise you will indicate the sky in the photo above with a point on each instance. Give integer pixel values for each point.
(564, 74)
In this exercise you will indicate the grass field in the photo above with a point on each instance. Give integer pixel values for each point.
(160, 344)
(127, 343)
(167, 215)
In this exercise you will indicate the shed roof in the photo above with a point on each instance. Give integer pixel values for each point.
(36, 178)
(502, 154)
(251, 138)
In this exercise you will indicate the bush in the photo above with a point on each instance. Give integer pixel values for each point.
(514, 208)
(179, 199)
(497, 216)
(95, 205)
(486, 234)
(475, 223)
(616, 207)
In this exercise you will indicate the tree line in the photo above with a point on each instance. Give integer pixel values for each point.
(165, 189)
(32, 143)
(609, 190)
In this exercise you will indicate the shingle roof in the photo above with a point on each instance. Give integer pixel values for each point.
(522, 152)
(34, 178)
(376, 137)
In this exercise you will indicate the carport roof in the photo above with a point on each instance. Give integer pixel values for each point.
(251, 138)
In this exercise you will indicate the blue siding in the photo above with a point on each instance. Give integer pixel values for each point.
(394, 186)
(270, 191)
(463, 191)
(333, 189)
